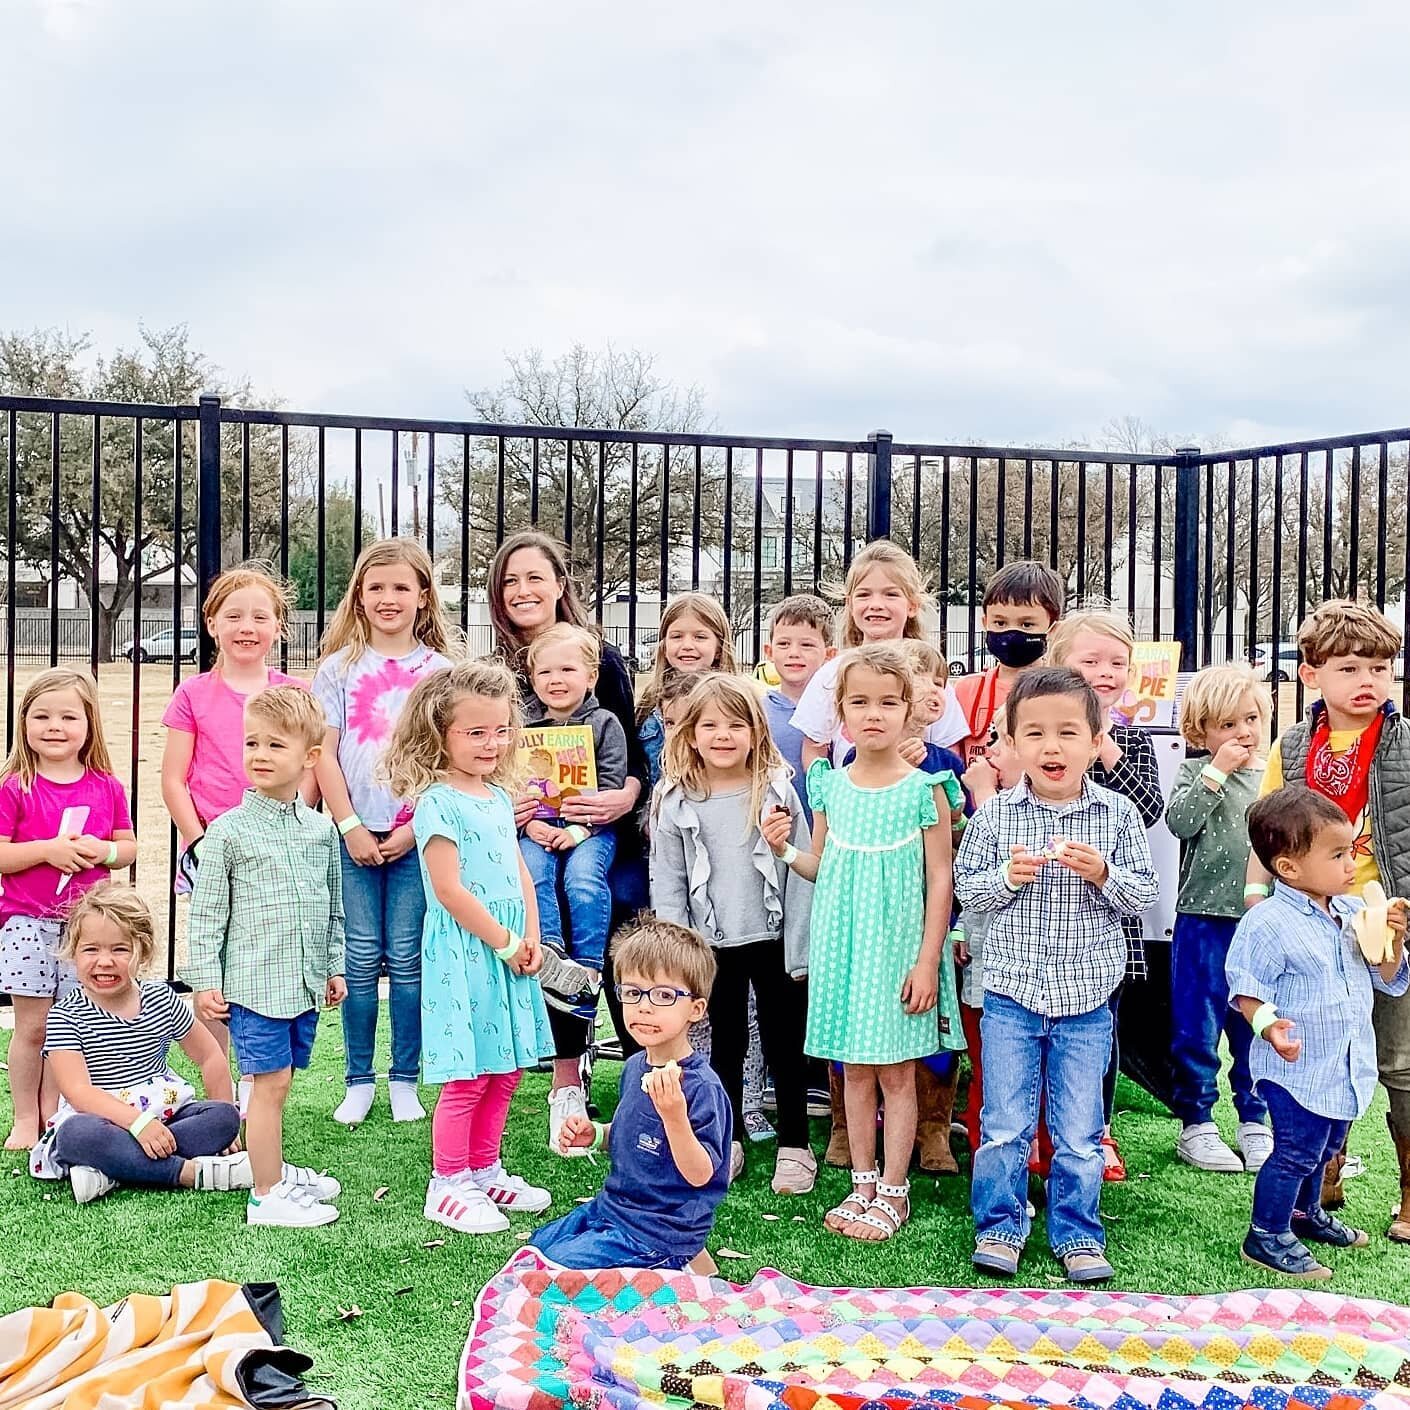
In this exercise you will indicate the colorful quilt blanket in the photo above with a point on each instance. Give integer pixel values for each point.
(625, 1339)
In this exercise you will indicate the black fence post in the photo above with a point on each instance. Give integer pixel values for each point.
(879, 486)
(207, 516)
(1186, 564)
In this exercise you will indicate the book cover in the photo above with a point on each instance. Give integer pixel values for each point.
(559, 763)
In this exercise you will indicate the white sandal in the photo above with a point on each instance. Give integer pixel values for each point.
(855, 1205)
(882, 1214)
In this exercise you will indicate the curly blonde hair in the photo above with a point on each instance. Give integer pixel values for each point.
(417, 756)
(901, 568)
(349, 627)
(23, 762)
(1214, 694)
(125, 909)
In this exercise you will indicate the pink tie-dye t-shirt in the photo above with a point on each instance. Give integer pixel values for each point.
(362, 700)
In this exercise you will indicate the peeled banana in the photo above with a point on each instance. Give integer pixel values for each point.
(1373, 934)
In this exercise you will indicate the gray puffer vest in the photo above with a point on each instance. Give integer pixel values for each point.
(1389, 791)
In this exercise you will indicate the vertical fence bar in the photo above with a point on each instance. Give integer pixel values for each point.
(1252, 623)
(135, 733)
(499, 506)
(1081, 530)
(244, 491)
(973, 554)
(465, 530)
(1054, 497)
(664, 501)
(208, 517)
(1028, 507)
(879, 487)
(695, 520)
(1207, 587)
(1109, 513)
(1383, 518)
(396, 483)
(729, 528)
(534, 483)
(943, 586)
(284, 531)
(1001, 506)
(357, 490)
(321, 510)
(817, 519)
(54, 511)
(758, 547)
(1304, 514)
(1132, 499)
(1405, 567)
(1186, 565)
(1229, 563)
(1276, 608)
(915, 508)
(788, 522)
(431, 494)
(847, 516)
(1158, 551)
(1353, 556)
(178, 559)
(1328, 509)
(11, 532)
(568, 498)
(95, 511)
(631, 557)
(601, 517)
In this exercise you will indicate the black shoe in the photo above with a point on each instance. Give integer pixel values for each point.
(1319, 1227)
(1284, 1254)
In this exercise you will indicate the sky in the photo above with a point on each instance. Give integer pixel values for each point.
(1001, 223)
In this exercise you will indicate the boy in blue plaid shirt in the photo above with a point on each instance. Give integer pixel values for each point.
(1301, 977)
(1057, 861)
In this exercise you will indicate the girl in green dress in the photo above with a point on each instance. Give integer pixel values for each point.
(881, 862)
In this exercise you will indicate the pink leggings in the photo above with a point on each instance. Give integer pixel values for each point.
(469, 1122)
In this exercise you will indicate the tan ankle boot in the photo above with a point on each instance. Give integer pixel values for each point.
(839, 1152)
(935, 1103)
(1399, 1229)
(1333, 1196)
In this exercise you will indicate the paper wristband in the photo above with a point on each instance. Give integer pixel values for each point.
(789, 855)
(348, 823)
(144, 1120)
(578, 832)
(1256, 888)
(1215, 776)
(516, 943)
(598, 1132)
(1004, 872)
(1263, 1017)
(111, 859)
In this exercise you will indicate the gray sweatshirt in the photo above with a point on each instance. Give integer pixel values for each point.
(712, 871)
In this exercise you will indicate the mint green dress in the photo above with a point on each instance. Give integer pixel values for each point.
(868, 918)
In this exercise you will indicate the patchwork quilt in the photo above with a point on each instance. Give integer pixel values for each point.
(625, 1339)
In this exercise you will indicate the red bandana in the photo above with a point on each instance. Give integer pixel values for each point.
(1344, 778)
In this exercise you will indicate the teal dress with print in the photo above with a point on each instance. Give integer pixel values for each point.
(477, 1015)
(868, 918)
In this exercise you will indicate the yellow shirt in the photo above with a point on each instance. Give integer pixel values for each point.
(1339, 741)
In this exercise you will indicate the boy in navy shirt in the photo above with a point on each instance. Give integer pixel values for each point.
(669, 1140)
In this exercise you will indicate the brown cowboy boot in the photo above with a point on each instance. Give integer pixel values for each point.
(839, 1152)
(935, 1104)
(1333, 1196)
(1399, 1230)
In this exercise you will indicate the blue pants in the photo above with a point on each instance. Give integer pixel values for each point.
(1291, 1178)
(587, 1238)
(385, 907)
(200, 1128)
(1199, 995)
(1027, 1059)
(581, 874)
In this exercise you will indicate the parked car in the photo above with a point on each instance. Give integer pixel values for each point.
(1279, 670)
(157, 646)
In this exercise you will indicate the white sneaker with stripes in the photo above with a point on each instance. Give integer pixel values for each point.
(509, 1191)
(459, 1205)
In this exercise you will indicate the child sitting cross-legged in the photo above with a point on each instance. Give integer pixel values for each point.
(1300, 975)
(669, 1140)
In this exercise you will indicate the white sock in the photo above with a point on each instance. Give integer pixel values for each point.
(356, 1104)
(406, 1105)
(247, 1085)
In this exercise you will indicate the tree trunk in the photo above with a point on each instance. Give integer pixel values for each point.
(107, 622)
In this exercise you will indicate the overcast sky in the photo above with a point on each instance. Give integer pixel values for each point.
(1002, 222)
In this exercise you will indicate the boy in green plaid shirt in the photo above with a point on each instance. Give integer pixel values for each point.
(266, 940)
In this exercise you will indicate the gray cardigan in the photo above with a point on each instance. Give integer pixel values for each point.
(683, 882)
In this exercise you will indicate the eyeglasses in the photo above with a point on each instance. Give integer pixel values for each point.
(662, 996)
(501, 736)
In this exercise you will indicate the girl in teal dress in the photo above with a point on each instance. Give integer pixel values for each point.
(881, 862)
(483, 1018)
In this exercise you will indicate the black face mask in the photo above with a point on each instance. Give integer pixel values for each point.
(1016, 649)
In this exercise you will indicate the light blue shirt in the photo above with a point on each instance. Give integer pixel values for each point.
(1290, 953)
(788, 740)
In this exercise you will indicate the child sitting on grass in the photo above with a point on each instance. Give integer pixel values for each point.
(124, 1116)
(1298, 975)
(669, 1139)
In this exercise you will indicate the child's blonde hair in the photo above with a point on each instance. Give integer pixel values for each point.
(1101, 620)
(417, 756)
(125, 909)
(886, 659)
(565, 634)
(681, 764)
(926, 658)
(663, 952)
(23, 762)
(1345, 628)
(904, 573)
(1215, 694)
(349, 626)
(253, 574)
(291, 709)
(713, 616)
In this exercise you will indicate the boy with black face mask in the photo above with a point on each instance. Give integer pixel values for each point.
(1022, 603)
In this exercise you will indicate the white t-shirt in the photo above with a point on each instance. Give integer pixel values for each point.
(816, 715)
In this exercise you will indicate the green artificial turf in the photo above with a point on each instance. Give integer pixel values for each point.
(1170, 1229)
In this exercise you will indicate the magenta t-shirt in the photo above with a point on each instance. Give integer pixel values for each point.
(28, 817)
(208, 708)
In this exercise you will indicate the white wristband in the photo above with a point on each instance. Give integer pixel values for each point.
(789, 855)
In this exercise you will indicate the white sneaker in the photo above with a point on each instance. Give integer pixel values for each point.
(320, 1186)
(353, 1109)
(89, 1184)
(736, 1160)
(247, 1085)
(224, 1172)
(1256, 1143)
(406, 1104)
(459, 1205)
(565, 1102)
(1353, 1168)
(1203, 1147)
(509, 1191)
(287, 1206)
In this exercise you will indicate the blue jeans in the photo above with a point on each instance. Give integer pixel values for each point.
(1028, 1057)
(581, 873)
(385, 907)
(1291, 1178)
(587, 1238)
(200, 1128)
(1199, 995)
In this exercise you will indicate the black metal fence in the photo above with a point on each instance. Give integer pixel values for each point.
(109, 502)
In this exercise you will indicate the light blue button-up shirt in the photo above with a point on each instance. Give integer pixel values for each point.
(1290, 953)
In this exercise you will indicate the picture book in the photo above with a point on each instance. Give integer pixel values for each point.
(559, 763)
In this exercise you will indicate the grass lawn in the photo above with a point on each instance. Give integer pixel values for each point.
(1170, 1228)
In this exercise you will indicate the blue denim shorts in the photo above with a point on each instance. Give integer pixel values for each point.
(271, 1044)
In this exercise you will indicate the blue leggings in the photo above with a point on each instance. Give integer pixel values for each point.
(200, 1128)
